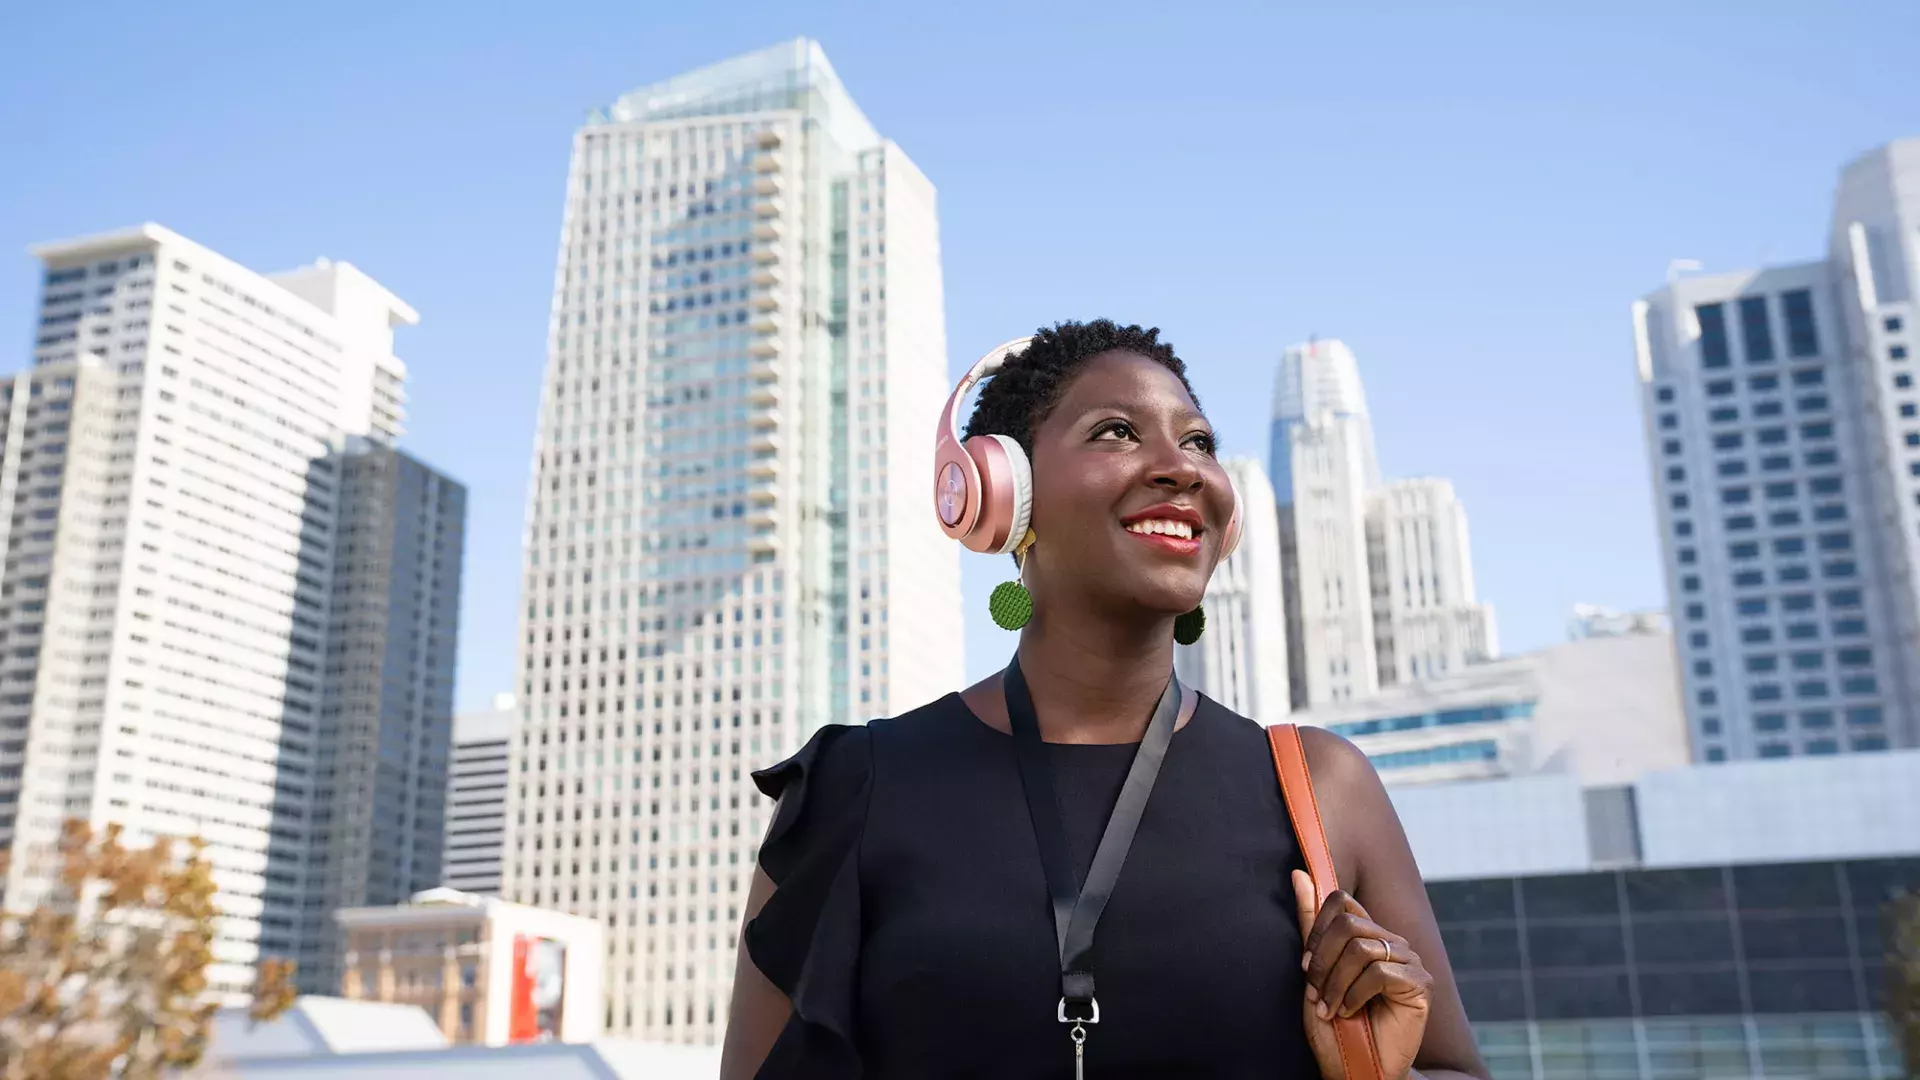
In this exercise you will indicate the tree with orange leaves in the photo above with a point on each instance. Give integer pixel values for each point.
(107, 979)
(1903, 977)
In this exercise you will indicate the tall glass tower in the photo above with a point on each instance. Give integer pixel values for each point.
(747, 352)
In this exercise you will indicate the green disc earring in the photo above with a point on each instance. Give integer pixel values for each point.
(1188, 628)
(1011, 605)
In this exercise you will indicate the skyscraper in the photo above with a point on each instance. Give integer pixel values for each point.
(747, 354)
(1783, 428)
(1378, 576)
(477, 797)
(386, 717)
(1324, 466)
(1426, 619)
(174, 464)
(1241, 660)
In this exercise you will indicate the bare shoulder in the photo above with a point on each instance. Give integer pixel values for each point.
(1334, 762)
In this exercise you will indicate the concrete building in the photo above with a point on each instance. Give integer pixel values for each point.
(1427, 620)
(486, 972)
(1695, 922)
(1241, 660)
(477, 797)
(387, 713)
(1602, 710)
(1378, 577)
(177, 464)
(1593, 620)
(746, 351)
(1783, 428)
(328, 1038)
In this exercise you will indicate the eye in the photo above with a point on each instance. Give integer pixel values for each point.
(1113, 429)
(1201, 441)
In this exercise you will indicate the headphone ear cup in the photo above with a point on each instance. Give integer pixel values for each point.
(1021, 510)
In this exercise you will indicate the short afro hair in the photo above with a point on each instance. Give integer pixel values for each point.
(1031, 382)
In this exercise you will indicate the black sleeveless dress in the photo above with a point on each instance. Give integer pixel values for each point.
(912, 931)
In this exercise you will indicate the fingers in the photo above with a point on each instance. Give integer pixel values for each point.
(1304, 902)
(1339, 906)
(1404, 982)
(1359, 961)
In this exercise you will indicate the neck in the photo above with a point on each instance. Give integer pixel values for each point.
(1093, 680)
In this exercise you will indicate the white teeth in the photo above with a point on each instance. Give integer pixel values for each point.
(1158, 527)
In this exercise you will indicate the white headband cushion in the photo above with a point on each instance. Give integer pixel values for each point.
(984, 368)
(1022, 472)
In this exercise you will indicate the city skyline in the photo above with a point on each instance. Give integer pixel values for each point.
(231, 603)
(1485, 409)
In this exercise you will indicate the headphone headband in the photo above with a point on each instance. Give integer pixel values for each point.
(982, 368)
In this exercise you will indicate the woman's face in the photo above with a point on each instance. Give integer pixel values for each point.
(1129, 504)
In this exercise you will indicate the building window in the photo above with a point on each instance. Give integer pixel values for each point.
(1756, 334)
(1897, 352)
(1664, 394)
(1770, 722)
(1892, 324)
(1713, 335)
(1775, 750)
(1716, 754)
(1720, 388)
(1802, 338)
(1863, 716)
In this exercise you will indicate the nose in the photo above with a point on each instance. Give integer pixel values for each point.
(1176, 470)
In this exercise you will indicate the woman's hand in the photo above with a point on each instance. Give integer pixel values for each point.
(1357, 967)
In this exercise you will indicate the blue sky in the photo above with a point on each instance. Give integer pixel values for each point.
(1470, 198)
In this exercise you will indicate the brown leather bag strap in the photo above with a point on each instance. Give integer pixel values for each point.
(1355, 1033)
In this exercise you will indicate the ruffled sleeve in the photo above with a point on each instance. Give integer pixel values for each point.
(806, 939)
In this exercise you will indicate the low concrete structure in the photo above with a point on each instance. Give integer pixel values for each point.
(487, 971)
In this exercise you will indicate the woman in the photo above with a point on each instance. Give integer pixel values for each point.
(912, 916)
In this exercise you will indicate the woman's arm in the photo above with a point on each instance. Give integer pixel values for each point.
(759, 1010)
(1375, 864)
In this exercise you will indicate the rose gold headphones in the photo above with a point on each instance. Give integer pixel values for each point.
(983, 486)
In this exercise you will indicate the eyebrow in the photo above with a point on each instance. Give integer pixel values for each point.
(1122, 407)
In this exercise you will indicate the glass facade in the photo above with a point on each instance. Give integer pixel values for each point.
(1713, 971)
(1478, 714)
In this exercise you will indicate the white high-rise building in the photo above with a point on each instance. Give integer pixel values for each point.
(1324, 466)
(477, 797)
(172, 465)
(747, 355)
(1241, 659)
(1425, 617)
(1783, 427)
(1378, 576)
